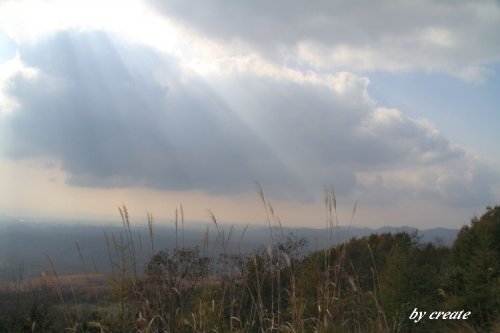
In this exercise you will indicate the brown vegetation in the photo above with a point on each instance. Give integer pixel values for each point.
(370, 284)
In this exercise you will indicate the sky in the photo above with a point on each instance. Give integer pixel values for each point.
(392, 106)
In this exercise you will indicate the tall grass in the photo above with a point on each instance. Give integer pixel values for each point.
(188, 289)
(279, 287)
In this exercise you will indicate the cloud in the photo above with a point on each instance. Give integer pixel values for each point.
(8, 50)
(466, 183)
(117, 114)
(455, 38)
(413, 141)
(124, 117)
(9, 69)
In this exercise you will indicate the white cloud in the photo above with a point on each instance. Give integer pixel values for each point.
(224, 104)
(9, 70)
(454, 38)
(474, 74)
(439, 37)
(385, 117)
(449, 37)
(29, 20)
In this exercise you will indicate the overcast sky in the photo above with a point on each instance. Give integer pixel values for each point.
(155, 104)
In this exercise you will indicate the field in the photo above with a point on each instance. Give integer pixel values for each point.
(219, 283)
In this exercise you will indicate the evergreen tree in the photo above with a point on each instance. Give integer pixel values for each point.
(476, 279)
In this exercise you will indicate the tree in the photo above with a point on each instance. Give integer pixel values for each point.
(175, 276)
(476, 279)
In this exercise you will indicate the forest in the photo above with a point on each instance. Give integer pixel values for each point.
(369, 284)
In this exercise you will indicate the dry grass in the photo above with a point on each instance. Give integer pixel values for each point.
(273, 289)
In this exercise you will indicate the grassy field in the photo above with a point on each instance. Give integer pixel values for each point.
(369, 284)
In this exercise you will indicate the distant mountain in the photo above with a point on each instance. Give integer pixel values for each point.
(78, 246)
